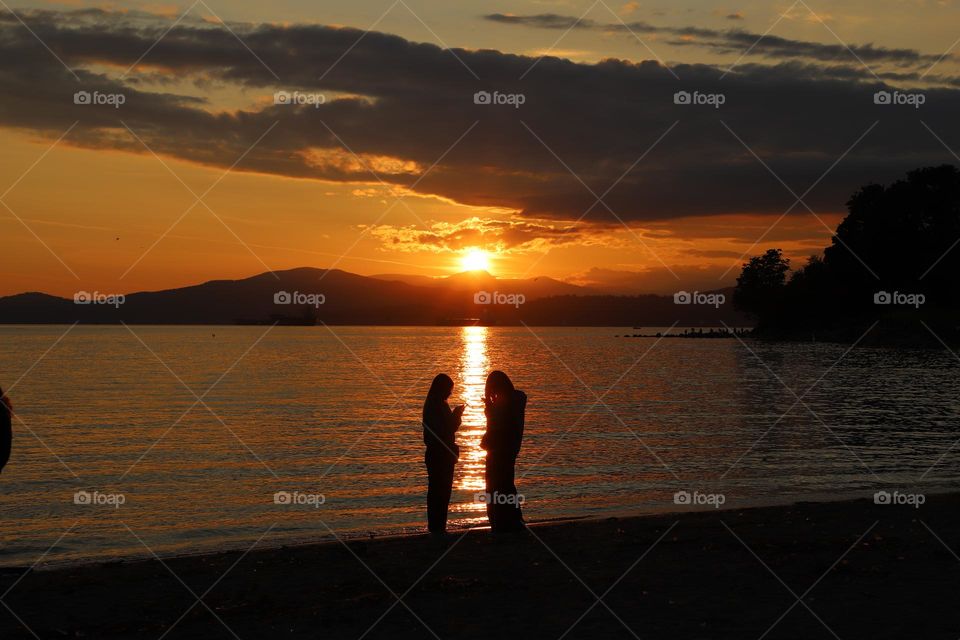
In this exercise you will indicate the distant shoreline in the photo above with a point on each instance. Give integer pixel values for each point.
(341, 324)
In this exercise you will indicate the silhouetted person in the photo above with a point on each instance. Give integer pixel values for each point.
(6, 429)
(505, 408)
(440, 425)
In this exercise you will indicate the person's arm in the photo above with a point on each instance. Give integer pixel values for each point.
(456, 417)
(432, 421)
(498, 423)
(519, 418)
(443, 423)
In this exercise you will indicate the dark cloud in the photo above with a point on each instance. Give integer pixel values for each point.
(733, 40)
(556, 21)
(401, 107)
(856, 72)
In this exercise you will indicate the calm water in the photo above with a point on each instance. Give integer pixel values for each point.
(335, 413)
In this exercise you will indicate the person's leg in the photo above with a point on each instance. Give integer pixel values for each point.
(434, 495)
(444, 491)
(500, 488)
(512, 512)
(439, 489)
(490, 477)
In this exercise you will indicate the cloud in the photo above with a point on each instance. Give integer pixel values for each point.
(846, 72)
(715, 253)
(404, 113)
(499, 236)
(733, 40)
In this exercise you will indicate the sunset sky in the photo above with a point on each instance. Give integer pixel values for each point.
(599, 177)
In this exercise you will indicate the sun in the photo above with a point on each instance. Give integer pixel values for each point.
(475, 260)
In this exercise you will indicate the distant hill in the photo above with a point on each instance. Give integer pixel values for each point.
(532, 288)
(309, 295)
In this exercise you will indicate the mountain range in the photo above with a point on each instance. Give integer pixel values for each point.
(310, 296)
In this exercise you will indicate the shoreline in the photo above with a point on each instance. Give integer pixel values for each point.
(697, 574)
(405, 533)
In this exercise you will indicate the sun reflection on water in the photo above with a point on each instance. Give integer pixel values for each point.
(473, 372)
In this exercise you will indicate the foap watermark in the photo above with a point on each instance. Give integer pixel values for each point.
(299, 499)
(712, 299)
(514, 100)
(312, 299)
(714, 100)
(111, 299)
(484, 497)
(901, 299)
(914, 100)
(698, 499)
(115, 100)
(98, 499)
(299, 98)
(512, 299)
(914, 500)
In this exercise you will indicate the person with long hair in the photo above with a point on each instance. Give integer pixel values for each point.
(6, 429)
(440, 424)
(505, 408)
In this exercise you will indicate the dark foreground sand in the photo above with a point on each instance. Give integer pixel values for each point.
(862, 570)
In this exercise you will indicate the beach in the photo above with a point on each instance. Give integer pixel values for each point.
(852, 569)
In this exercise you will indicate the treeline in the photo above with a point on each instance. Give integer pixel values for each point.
(894, 261)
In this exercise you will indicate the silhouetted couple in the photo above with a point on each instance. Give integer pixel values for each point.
(505, 408)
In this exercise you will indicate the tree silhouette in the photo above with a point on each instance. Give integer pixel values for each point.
(903, 238)
(905, 234)
(761, 284)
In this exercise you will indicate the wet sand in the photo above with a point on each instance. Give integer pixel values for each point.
(813, 570)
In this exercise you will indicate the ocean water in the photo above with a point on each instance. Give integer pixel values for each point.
(169, 440)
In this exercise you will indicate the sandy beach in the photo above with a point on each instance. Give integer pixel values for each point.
(843, 569)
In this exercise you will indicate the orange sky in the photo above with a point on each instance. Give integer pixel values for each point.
(120, 220)
(108, 216)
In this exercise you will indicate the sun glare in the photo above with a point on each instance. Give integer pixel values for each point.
(475, 260)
